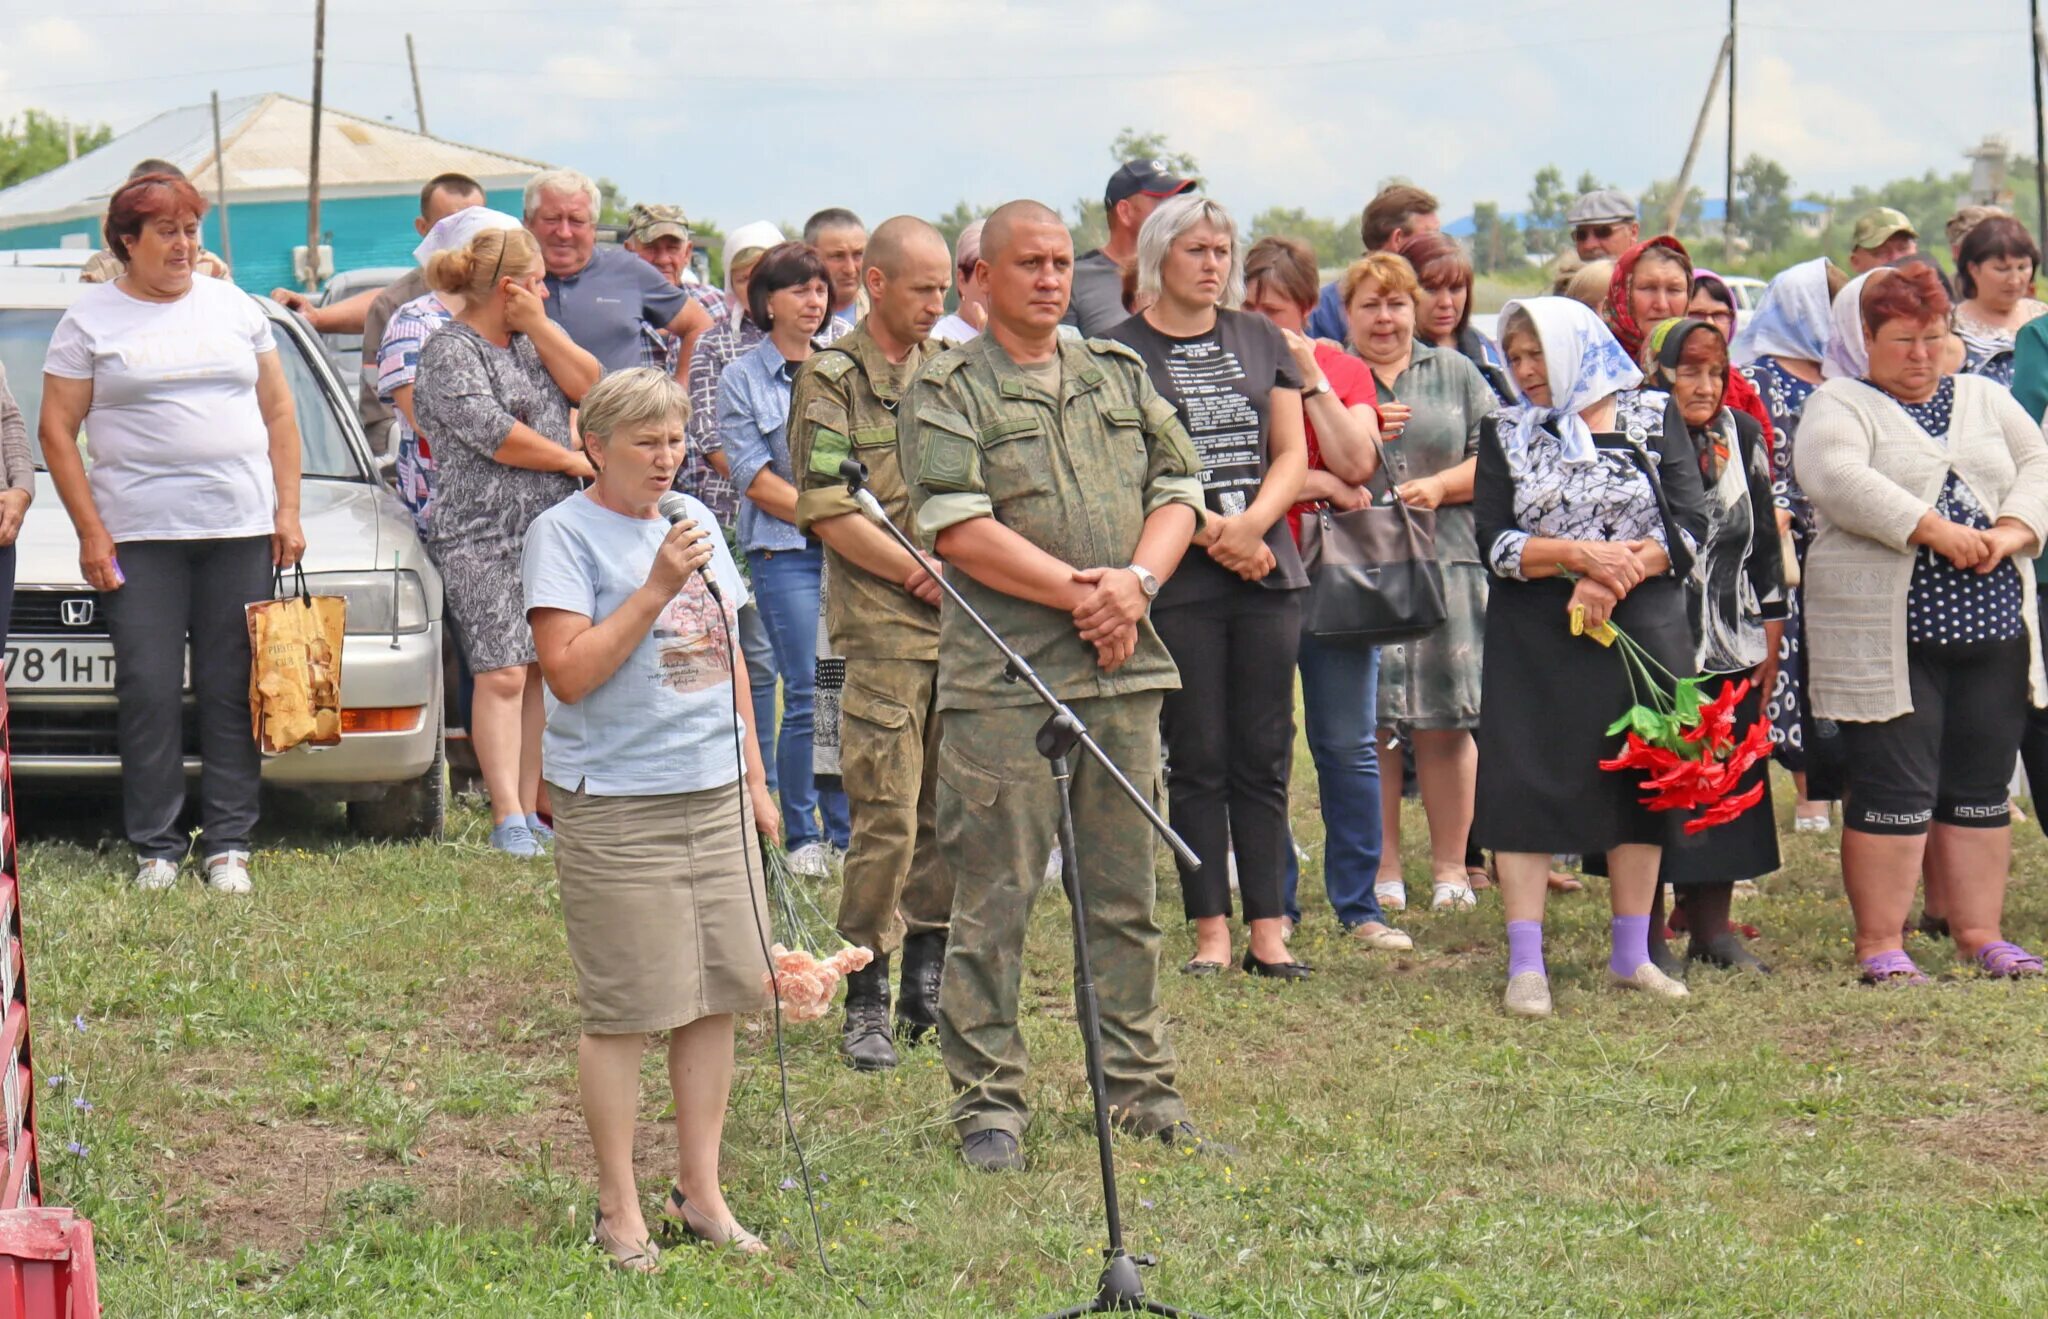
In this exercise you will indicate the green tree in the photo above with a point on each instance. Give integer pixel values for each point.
(952, 222)
(1764, 212)
(1657, 200)
(1335, 241)
(1496, 243)
(38, 142)
(1544, 229)
(612, 207)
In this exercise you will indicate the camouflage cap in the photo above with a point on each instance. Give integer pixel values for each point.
(651, 220)
(1879, 225)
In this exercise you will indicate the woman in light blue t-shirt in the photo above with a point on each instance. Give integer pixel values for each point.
(657, 786)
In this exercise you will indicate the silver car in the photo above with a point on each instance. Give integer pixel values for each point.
(360, 543)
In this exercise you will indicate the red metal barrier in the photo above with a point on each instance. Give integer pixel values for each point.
(46, 1265)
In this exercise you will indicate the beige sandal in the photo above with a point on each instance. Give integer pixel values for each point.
(699, 1226)
(642, 1258)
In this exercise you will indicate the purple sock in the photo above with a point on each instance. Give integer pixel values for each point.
(1525, 947)
(1631, 938)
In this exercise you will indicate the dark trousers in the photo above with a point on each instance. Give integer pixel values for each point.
(2034, 738)
(1230, 742)
(6, 590)
(174, 590)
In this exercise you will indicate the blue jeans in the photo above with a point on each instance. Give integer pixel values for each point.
(1340, 707)
(760, 657)
(786, 589)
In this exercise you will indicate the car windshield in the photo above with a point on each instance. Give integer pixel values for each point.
(324, 448)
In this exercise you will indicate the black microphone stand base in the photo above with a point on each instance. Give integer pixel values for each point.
(1121, 1290)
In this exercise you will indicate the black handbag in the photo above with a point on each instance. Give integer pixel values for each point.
(1373, 577)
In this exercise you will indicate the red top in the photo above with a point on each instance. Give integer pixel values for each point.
(1351, 381)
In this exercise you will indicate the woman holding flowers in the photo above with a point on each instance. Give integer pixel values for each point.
(1579, 524)
(1735, 597)
(1922, 638)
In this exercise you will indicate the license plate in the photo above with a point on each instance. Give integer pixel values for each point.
(60, 666)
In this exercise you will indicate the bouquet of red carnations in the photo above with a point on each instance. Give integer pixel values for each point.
(1685, 743)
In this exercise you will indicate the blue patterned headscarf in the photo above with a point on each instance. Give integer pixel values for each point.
(1791, 320)
(1585, 363)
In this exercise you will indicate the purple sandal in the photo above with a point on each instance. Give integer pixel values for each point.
(2004, 960)
(1894, 968)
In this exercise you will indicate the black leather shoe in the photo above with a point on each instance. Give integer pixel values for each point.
(992, 1151)
(917, 1009)
(864, 1039)
(1665, 960)
(1277, 970)
(1725, 950)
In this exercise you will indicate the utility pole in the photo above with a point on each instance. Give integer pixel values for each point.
(1692, 150)
(220, 188)
(1728, 204)
(2040, 146)
(419, 106)
(312, 274)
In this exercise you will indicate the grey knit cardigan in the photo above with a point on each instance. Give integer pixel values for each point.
(1871, 473)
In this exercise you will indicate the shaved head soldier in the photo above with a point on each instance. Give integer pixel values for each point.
(1059, 489)
(882, 616)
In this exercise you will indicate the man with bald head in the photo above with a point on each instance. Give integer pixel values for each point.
(882, 618)
(1060, 489)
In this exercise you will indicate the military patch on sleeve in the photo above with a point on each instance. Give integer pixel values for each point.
(829, 448)
(951, 463)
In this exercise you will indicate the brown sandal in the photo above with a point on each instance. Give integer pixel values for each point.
(643, 1258)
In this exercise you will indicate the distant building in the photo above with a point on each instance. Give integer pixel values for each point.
(371, 173)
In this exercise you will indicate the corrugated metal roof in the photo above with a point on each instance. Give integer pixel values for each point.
(265, 140)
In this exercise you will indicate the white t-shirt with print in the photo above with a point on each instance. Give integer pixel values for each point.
(175, 436)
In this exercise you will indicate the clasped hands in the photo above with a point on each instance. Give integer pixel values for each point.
(1608, 571)
(1107, 617)
(1967, 547)
(1236, 544)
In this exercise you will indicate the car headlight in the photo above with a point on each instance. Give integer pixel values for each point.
(379, 603)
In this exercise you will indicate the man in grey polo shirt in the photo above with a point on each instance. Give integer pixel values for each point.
(1134, 190)
(603, 296)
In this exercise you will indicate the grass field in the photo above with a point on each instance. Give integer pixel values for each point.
(354, 1095)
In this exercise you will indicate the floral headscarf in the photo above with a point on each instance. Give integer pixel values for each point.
(1621, 317)
(1791, 320)
(1585, 365)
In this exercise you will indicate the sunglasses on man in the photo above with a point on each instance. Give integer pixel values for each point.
(1598, 233)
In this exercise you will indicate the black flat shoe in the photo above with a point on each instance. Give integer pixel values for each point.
(1276, 970)
(1197, 967)
(1726, 951)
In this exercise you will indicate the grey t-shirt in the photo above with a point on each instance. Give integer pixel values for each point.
(1097, 305)
(603, 305)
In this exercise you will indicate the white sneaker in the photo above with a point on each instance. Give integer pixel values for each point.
(1651, 981)
(1052, 866)
(1811, 824)
(1528, 995)
(228, 873)
(1451, 897)
(1392, 897)
(812, 861)
(154, 874)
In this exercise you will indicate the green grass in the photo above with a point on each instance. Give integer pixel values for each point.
(354, 1095)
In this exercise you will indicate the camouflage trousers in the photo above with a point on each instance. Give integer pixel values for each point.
(998, 815)
(895, 881)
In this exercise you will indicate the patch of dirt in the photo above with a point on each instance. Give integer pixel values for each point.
(1988, 1141)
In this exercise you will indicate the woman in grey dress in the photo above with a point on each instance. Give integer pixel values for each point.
(494, 390)
(1432, 400)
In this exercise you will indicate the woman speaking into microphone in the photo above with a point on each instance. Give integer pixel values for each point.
(654, 815)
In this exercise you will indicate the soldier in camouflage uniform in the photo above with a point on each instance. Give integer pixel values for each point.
(1059, 488)
(881, 610)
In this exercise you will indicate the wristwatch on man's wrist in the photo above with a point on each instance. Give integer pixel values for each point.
(1318, 389)
(1146, 581)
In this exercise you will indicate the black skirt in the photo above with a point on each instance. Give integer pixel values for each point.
(1546, 699)
(1744, 848)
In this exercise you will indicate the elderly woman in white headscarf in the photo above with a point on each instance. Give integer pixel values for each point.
(1779, 351)
(1573, 516)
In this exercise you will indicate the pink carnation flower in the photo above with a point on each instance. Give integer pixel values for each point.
(805, 984)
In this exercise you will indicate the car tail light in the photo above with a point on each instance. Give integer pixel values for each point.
(386, 719)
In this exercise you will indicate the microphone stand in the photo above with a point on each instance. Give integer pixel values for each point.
(1120, 1288)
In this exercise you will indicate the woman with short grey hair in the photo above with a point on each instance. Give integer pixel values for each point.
(1230, 617)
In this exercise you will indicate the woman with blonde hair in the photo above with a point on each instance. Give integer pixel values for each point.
(1230, 616)
(494, 389)
(657, 785)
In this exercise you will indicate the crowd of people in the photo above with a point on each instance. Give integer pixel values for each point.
(1829, 514)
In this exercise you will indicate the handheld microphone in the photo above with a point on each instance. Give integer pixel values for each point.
(855, 473)
(676, 508)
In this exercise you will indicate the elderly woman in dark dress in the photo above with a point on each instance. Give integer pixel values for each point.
(1574, 518)
(1735, 598)
(494, 390)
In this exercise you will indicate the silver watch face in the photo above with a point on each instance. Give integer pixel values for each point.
(1146, 581)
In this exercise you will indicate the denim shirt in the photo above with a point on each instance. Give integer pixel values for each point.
(753, 426)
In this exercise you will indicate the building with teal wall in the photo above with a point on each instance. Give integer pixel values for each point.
(371, 173)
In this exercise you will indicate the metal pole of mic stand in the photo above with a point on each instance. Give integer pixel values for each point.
(1120, 1288)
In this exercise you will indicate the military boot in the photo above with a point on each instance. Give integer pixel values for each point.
(865, 1037)
(917, 1010)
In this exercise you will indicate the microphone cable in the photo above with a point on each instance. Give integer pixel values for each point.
(749, 846)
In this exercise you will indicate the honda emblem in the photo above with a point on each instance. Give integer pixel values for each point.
(76, 613)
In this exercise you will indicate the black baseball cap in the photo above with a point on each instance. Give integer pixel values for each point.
(1150, 177)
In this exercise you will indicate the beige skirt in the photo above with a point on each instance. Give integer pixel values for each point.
(655, 894)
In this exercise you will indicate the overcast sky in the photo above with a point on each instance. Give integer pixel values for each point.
(771, 108)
